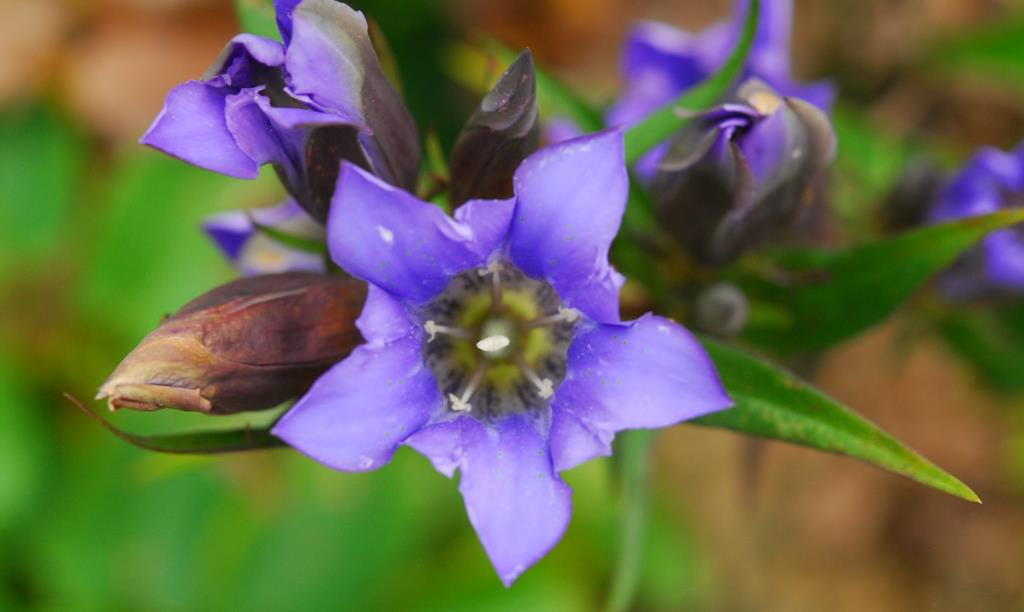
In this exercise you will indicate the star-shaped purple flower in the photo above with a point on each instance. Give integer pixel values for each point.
(992, 180)
(494, 344)
(302, 106)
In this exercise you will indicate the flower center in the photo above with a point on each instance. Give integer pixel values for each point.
(497, 341)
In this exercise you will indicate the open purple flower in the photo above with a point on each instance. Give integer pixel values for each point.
(991, 181)
(494, 344)
(238, 235)
(302, 106)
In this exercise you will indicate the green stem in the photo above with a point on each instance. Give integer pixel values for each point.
(633, 452)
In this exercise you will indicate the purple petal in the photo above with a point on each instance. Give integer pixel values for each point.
(251, 130)
(324, 57)
(570, 198)
(193, 128)
(1004, 252)
(410, 248)
(516, 502)
(283, 9)
(383, 319)
(645, 374)
(358, 412)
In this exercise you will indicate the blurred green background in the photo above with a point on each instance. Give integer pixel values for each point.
(98, 239)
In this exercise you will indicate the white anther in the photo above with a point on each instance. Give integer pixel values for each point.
(492, 268)
(545, 388)
(492, 344)
(458, 404)
(569, 315)
(564, 315)
(433, 329)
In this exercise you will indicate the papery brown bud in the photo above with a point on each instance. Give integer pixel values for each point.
(502, 132)
(248, 345)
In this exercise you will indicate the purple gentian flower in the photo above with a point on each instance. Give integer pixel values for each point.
(494, 344)
(302, 106)
(742, 173)
(991, 181)
(660, 62)
(252, 252)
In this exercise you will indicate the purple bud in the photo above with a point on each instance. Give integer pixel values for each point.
(248, 345)
(743, 173)
(501, 133)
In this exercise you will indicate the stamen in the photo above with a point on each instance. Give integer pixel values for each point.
(494, 269)
(545, 386)
(433, 329)
(565, 315)
(460, 403)
(492, 344)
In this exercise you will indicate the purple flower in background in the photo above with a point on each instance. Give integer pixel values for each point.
(991, 181)
(494, 344)
(302, 106)
(237, 234)
(661, 62)
(742, 173)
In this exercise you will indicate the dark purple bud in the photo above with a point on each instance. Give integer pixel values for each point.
(743, 173)
(501, 133)
(248, 345)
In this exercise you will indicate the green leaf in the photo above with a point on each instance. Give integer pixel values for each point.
(771, 403)
(809, 300)
(257, 17)
(198, 443)
(665, 121)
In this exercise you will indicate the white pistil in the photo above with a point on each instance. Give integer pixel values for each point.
(545, 386)
(460, 403)
(492, 344)
(433, 329)
(564, 315)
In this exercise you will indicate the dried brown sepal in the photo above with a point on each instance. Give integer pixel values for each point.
(248, 345)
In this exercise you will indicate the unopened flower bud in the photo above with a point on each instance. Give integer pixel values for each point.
(502, 132)
(722, 310)
(248, 345)
(743, 173)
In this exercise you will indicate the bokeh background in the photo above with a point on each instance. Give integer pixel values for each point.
(98, 239)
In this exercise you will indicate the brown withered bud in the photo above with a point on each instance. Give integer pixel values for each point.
(248, 345)
(498, 136)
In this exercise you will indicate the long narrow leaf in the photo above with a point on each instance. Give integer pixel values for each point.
(771, 403)
(820, 298)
